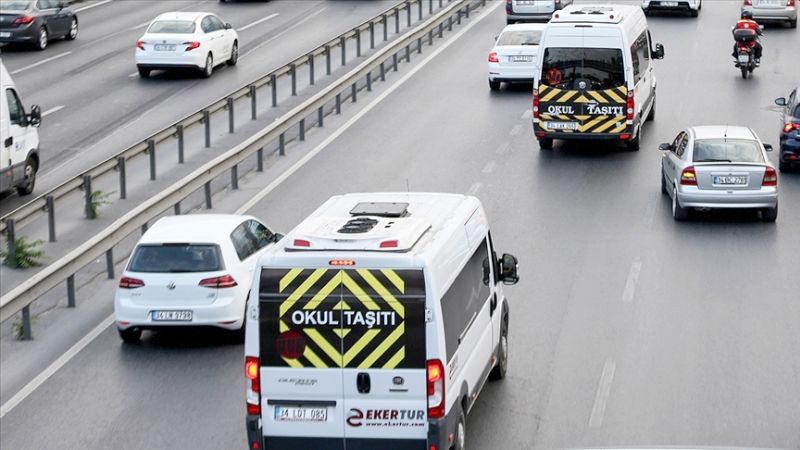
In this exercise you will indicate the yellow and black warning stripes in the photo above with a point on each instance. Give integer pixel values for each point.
(575, 111)
(359, 318)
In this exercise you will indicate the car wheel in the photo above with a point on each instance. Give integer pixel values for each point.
(784, 166)
(41, 43)
(494, 85)
(73, 30)
(143, 72)
(545, 144)
(744, 72)
(30, 178)
(793, 23)
(663, 183)
(234, 54)
(130, 335)
(461, 432)
(769, 214)
(679, 213)
(499, 371)
(509, 22)
(694, 13)
(635, 142)
(209, 67)
(652, 114)
(646, 11)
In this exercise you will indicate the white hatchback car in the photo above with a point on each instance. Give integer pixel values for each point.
(513, 58)
(192, 270)
(186, 40)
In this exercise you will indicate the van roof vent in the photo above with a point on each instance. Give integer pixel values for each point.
(591, 14)
(380, 209)
(360, 225)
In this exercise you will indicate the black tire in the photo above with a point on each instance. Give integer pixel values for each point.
(793, 23)
(499, 371)
(44, 38)
(652, 114)
(769, 214)
(663, 183)
(545, 144)
(494, 85)
(208, 69)
(460, 435)
(509, 22)
(30, 177)
(143, 72)
(694, 13)
(130, 335)
(744, 72)
(634, 144)
(73, 30)
(679, 213)
(234, 54)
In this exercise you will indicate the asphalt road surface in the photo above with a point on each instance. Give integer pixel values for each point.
(627, 328)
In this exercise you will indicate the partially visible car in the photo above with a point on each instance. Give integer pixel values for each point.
(719, 167)
(693, 7)
(186, 40)
(789, 156)
(37, 22)
(190, 270)
(772, 11)
(513, 57)
(532, 10)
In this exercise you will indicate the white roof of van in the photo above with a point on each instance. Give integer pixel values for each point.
(610, 14)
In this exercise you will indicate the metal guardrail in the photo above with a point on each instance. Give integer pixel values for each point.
(20, 298)
(44, 203)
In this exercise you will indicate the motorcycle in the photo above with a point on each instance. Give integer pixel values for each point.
(745, 53)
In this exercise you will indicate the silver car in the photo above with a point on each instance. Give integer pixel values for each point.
(713, 167)
(773, 10)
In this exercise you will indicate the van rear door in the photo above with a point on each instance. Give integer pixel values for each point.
(383, 332)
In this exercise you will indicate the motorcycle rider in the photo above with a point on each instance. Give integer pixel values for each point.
(747, 22)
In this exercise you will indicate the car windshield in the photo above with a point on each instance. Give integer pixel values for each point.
(728, 150)
(14, 5)
(172, 26)
(171, 258)
(520, 37)
(564, 67)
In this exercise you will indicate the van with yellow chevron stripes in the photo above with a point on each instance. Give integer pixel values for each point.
(595, 77)
(375, 324)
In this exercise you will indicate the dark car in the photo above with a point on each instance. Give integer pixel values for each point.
(36, 22)
(789, 156)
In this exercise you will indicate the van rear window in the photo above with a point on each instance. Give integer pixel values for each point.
(600, 68)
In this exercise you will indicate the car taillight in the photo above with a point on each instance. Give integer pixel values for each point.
(252, 372)
(770, 177)
(493, 57)
(435, 372)
(748, 3)
(191, 45)
(629, 104)
(225, 281)
(140, 44)
(790, 2)
(535, 105)
(791, 126)
(130, 283)
(509, 7)
(688, 177)
(24, 20)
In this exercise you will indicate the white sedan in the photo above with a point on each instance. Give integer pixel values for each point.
(186, 40)
(513, 58)
(190, 270)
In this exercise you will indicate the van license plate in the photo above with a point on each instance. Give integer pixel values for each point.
(300, 414)
(164, 47)
(730, 179)
(171, 316)
(561, 125)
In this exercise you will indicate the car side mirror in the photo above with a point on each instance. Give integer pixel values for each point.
(665, 147)
(34, 119)
(228, 26)
(276, 237)
(509, 269)
(768, 147)
(496, 37)
(781, 101)
(659, 53)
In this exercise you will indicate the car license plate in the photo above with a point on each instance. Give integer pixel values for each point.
(670, 4)
(5, 34)
(164, 47)
(768, 3)
(730, 180)
(300, 414)
(521, 58)
(171, 316)
(744, 59)
(561, 125)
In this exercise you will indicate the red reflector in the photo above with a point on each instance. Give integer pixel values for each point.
(540, 134)
(24, 19)
(253, 410)
(130, 283)
(688, 177)
(123, 322)
(624, 136)
(493, 57)
(301, 243)
(389, 244)
(432, 447)
(255, 446)
(341, 262)
(191, 45)
(225, 281)
(770, 177)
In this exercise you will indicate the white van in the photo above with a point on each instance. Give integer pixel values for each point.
(19, 138)
(374, 324)
(595, 77)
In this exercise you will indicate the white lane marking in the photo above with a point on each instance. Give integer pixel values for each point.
(53, 368)
(84, 8)
(489, 167)
(250, 25)
(650, 211)
(503, 148)
(141, 25)
(306, 19)
(633, 278)
(474, 188)
(52, 58)
(526, 114)
(52, 110)
(601, 398)
(308, 156)
(515, 129)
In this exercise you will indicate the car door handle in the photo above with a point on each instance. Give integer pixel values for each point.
(363, 383)
(9, 141)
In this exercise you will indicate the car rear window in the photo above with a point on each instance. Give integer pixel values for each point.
(564, 67)
(172, 258)
(710, 150)
(520, 37)
(172, 26)
(14, 5)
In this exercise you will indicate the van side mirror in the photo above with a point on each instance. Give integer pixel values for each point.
(665, 146)
(768, 147)
(780, 101)
(34, 119)
(659, 53)
(508, 269)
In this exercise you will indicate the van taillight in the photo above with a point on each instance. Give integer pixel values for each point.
(435, 372)
(252, 372)
(630, 105)
(535, 105)
(770, 177)
(509, 7)
(688, 177)
(225, 281)
(748, 3)
(130, 283)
